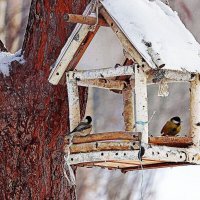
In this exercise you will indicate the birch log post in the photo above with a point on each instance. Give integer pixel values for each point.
(128, 114)
(141, 103)
(73, 100)
(155, 57)
(103, 73)
(195, 110)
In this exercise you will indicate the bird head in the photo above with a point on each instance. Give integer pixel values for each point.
(88, 119)
(176, 120)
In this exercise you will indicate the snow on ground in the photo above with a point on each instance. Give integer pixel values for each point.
(178, 183)
(5, 60)
(155, 22)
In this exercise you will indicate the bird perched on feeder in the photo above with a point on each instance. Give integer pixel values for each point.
(172, 127)
(83, 128)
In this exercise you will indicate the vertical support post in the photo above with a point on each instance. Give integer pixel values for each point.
(195, 110)
(141, 103)
(128, 114)
(73, 100)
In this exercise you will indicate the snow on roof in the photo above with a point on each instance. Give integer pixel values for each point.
(145, 21)
(5, 60)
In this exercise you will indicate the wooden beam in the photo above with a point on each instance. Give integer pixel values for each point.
(154, 56)
(103, 84)
(122, 135)
(152, 152)
(101, 146)
(73, 101)
(124, 145)
(130, 166)
(89, 20)
(90, 77)
(128, 46)
(103, 73)
(128, 113)
(158, 153)
(132, 136)
(141, 103)
(169, 75)
(171, 141)
(195, 110)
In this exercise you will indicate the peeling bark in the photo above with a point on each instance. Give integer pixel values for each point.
(34, 114)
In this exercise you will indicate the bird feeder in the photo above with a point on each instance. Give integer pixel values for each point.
(150, 58)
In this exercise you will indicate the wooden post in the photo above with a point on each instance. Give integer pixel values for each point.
(141, 103)
(195, 110)
(89, 20)
(73, 100)
(128, 113)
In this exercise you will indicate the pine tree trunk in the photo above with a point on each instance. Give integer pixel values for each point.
(33, 113)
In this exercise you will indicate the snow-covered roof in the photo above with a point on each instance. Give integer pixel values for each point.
(153, 28)
(152, 22)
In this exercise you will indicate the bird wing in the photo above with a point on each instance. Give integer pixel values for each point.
(166, 128)
(82, 126)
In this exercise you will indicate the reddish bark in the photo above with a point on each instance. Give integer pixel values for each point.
(33, 113)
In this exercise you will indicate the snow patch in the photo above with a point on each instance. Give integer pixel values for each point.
(5, 61)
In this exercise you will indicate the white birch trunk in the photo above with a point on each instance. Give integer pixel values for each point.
(73, 101)
(153, 152)
(156, 57)
(195, 110)
(141, 103)
(103, 72)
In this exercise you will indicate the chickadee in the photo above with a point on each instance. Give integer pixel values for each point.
(84, 127)
(172, 127)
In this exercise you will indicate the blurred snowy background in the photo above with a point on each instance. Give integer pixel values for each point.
(106, 109)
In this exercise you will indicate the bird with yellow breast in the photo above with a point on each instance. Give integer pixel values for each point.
(172, 127)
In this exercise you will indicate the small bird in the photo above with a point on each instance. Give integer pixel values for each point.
(84, 127)
(172, 127)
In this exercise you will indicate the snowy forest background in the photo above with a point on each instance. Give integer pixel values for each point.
(104, 184)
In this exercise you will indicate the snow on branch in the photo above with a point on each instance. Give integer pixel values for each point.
(7, 58)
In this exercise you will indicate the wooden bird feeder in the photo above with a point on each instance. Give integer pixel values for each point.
(144, 65)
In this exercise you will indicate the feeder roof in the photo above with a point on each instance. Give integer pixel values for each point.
(144, 21)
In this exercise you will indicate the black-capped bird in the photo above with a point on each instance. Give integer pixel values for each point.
(172, 127)
(84, 127)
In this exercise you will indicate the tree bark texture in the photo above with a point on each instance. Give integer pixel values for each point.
(33, 113)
